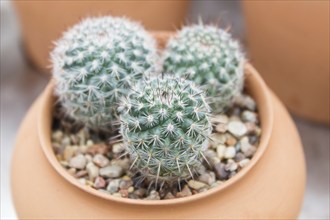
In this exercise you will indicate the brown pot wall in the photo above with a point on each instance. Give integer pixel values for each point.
(288, 42)
(43, 21)
(270, 187)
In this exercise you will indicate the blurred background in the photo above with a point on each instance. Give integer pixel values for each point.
(287, 41)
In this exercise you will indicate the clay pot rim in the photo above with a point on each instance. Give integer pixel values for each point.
(264, 105)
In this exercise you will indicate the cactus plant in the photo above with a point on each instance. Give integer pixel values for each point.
(211, 58)
(165, 126)
(94, 65)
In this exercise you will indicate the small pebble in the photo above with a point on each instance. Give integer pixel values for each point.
(124, 193)
(123, 163)
(246, 101)
(207, 178)
(81, 173)
(66, 141)
(99, 182)
(65, 164)
(112, 171)
(125, 184)
(57, 135)
(118, 148)
(88, 158)
(97, 149)
(130, 189)
(220, 171)
(196, 184)
(230, 152)
(169, 196)
(239, 156)
(100, 160)
(244, 162)
(231, 166)
(248, 116)
(221, 128)
(251, 151)
(68, 153)
(72, 171)
(251, 127)
(253, 139)
(218, 138)
(113, 186)
(78, 162)
(153, 196)
(245, 144)
(211, 156)
(140, 192)
(184, 192)
(92, 170)
(59, 157)
(237, 128)
(221, 151)
(117, 195)
(89, 143)
(220, 119)
(82, 181)
(231, 141)
(83, 149)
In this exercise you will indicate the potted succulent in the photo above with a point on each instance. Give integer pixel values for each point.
(124, 132)
(41, 23)
(299, 51)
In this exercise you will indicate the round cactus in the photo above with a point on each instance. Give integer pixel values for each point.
(95, 63)
(165, 127)
(211, 58)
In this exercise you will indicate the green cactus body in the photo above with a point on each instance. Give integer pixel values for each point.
(165, 126)
(95, 63)
(211, 58)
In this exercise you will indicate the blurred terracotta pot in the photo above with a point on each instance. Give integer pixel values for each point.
(42, 22)
(288, 42)
(276, 171)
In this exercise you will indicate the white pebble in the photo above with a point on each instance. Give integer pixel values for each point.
(245, 145)
(92, 170)
(196, 184)
(90, 143)
(237, 128)
(78, 162)
(221, 151)
(244, 162)
(112, 171)
(230, 152)
(100, 160)
(118, 148)
(249, 116)
(113, 186)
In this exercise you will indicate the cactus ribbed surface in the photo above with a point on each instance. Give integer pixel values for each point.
(95, 63)
(165, 126)
(211, 58)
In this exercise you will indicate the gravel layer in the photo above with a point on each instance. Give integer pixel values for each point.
(98, 164)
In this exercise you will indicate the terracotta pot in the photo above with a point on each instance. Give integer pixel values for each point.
(288, 42)
(42, 22)
(43, 189)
